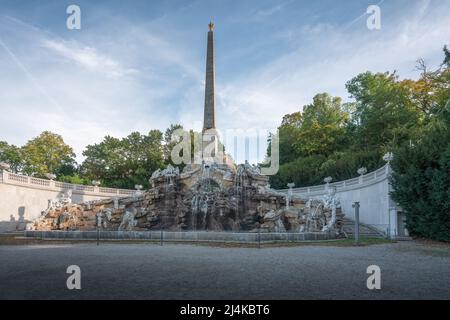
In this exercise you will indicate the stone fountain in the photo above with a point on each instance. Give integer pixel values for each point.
(213, 195)
(200, 198)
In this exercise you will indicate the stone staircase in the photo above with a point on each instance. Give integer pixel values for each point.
(365, 231)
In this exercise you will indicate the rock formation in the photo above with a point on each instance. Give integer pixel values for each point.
(209, 197)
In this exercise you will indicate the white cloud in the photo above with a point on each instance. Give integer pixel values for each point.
(272, 10)
(87, 57)
(75, 89)
(331, 57)
(88, 86)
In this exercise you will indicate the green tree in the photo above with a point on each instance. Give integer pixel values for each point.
(169, 142)
(323, 126)
(124, 162)
(384, 111)
(421, 179)
(304, 171)
(307, 138)
(288, 134)
(75, 179)
(11, 155)
(47, 153)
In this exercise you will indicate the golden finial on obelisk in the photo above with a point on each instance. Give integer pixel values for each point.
(211, 26)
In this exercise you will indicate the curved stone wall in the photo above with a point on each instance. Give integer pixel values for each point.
(22, 198)
(372, 192)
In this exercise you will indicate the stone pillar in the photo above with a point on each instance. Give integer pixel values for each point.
(2, 176)
(210, 138)
(4, 167)
(209, 120)
(392, 206)
(362, 171)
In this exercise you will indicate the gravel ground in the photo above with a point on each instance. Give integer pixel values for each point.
(148, 271)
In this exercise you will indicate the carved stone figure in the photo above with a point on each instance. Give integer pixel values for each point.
(128, 221)
(333, 203)
(103, 217)
(216, 198)
(99, 219)
(66, 198)
(156, 174)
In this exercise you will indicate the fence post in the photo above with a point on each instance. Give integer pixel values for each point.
(356, 206)
(259, 238)
(98, 220)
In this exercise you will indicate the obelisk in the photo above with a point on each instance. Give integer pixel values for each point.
(210, 137)
(209, 119)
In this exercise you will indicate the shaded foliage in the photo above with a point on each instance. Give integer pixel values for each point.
(123, 163)
(421, 179)
(409, 117)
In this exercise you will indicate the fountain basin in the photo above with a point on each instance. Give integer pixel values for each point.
(188, 236)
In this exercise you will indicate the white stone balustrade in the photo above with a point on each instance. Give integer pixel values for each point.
(31, 182)
(371, 190)
(23, 197)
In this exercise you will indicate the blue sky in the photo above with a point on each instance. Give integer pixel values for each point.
(139, 65)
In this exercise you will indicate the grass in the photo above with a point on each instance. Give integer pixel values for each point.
(18, 239)
(323, 243)
(433, 243)
(434, 251)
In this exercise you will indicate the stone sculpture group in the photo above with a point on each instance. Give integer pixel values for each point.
(213, 195)
(203, 197)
